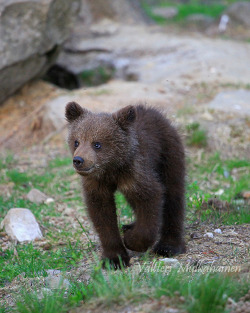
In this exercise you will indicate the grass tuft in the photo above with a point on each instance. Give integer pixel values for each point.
(196, 137)
(211, 9)
(42, 302)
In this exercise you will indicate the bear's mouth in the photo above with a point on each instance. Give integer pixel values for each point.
(85, 171)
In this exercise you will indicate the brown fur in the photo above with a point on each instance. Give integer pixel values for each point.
(141, 155)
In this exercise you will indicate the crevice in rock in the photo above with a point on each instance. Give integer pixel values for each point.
(64, 78)
(61, 77)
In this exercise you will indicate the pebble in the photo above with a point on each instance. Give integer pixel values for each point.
(167, 12)
(219, 192)
(246, 194)
(36, 196)
(209, 235)
(55, 280)
(170, 261)
(195, 235)
(49, 200)
(218, 231)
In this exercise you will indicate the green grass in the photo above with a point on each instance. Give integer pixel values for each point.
(32, 262)
(98, 76)
(60, 162)
(15, 202)
(196, 136)
(202, 292)
(45, 302)
(221, 172)
(184, 10)
(7, 162)
(125, 213)
(213, 9)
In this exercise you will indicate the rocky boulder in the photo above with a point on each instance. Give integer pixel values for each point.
(240, 12)
(31, 34)
(21, 225)
(121, 11)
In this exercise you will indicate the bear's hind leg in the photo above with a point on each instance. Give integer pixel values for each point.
(171, 236)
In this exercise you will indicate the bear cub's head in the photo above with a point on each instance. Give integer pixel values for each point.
(100, 142)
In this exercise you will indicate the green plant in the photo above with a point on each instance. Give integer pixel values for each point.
(33, 262)
(212, 9)
(196, 136)
(125, 213)
(41, 302)
(98, 76)
(202, 292)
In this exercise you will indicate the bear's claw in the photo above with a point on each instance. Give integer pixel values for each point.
(115, 263)
(168, 250)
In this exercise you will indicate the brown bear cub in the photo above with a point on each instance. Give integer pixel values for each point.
(138, 152)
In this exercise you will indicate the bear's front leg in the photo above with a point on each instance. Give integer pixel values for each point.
(102, 211)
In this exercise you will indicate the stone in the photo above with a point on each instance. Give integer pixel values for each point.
(155, 56)
(69, 212)
(37, 196)
(55, 110)
(233, 101)
(171, 262)
(195, 235)
(209, 235)
(224, 20)
(105, 27)
(21, 225)
(200, 20)
(127, 12)
(49, 200)
(167, 12)
(218, 231)
(207, 116)
(55, 280)
(239, 12)
(219, 192)
(31, 34)
(246, 194)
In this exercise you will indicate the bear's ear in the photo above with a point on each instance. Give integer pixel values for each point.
(125, 116)
(73, 110)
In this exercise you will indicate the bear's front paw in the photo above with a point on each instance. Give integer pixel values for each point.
(116, 261)
(138, 240)
(169, 250)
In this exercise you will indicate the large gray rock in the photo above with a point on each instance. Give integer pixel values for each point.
(240, 12)
(152, 56)
(122, 11)
(21, 225)
(233, 101)
(31, 34)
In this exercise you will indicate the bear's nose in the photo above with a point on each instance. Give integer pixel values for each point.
(78, 161)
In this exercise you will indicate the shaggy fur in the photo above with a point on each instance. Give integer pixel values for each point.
(136, 151)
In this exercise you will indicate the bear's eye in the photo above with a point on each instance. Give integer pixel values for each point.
(76, 143)
(97, 145)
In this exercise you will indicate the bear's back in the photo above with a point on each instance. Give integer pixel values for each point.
(158, 139)
(153, 129)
